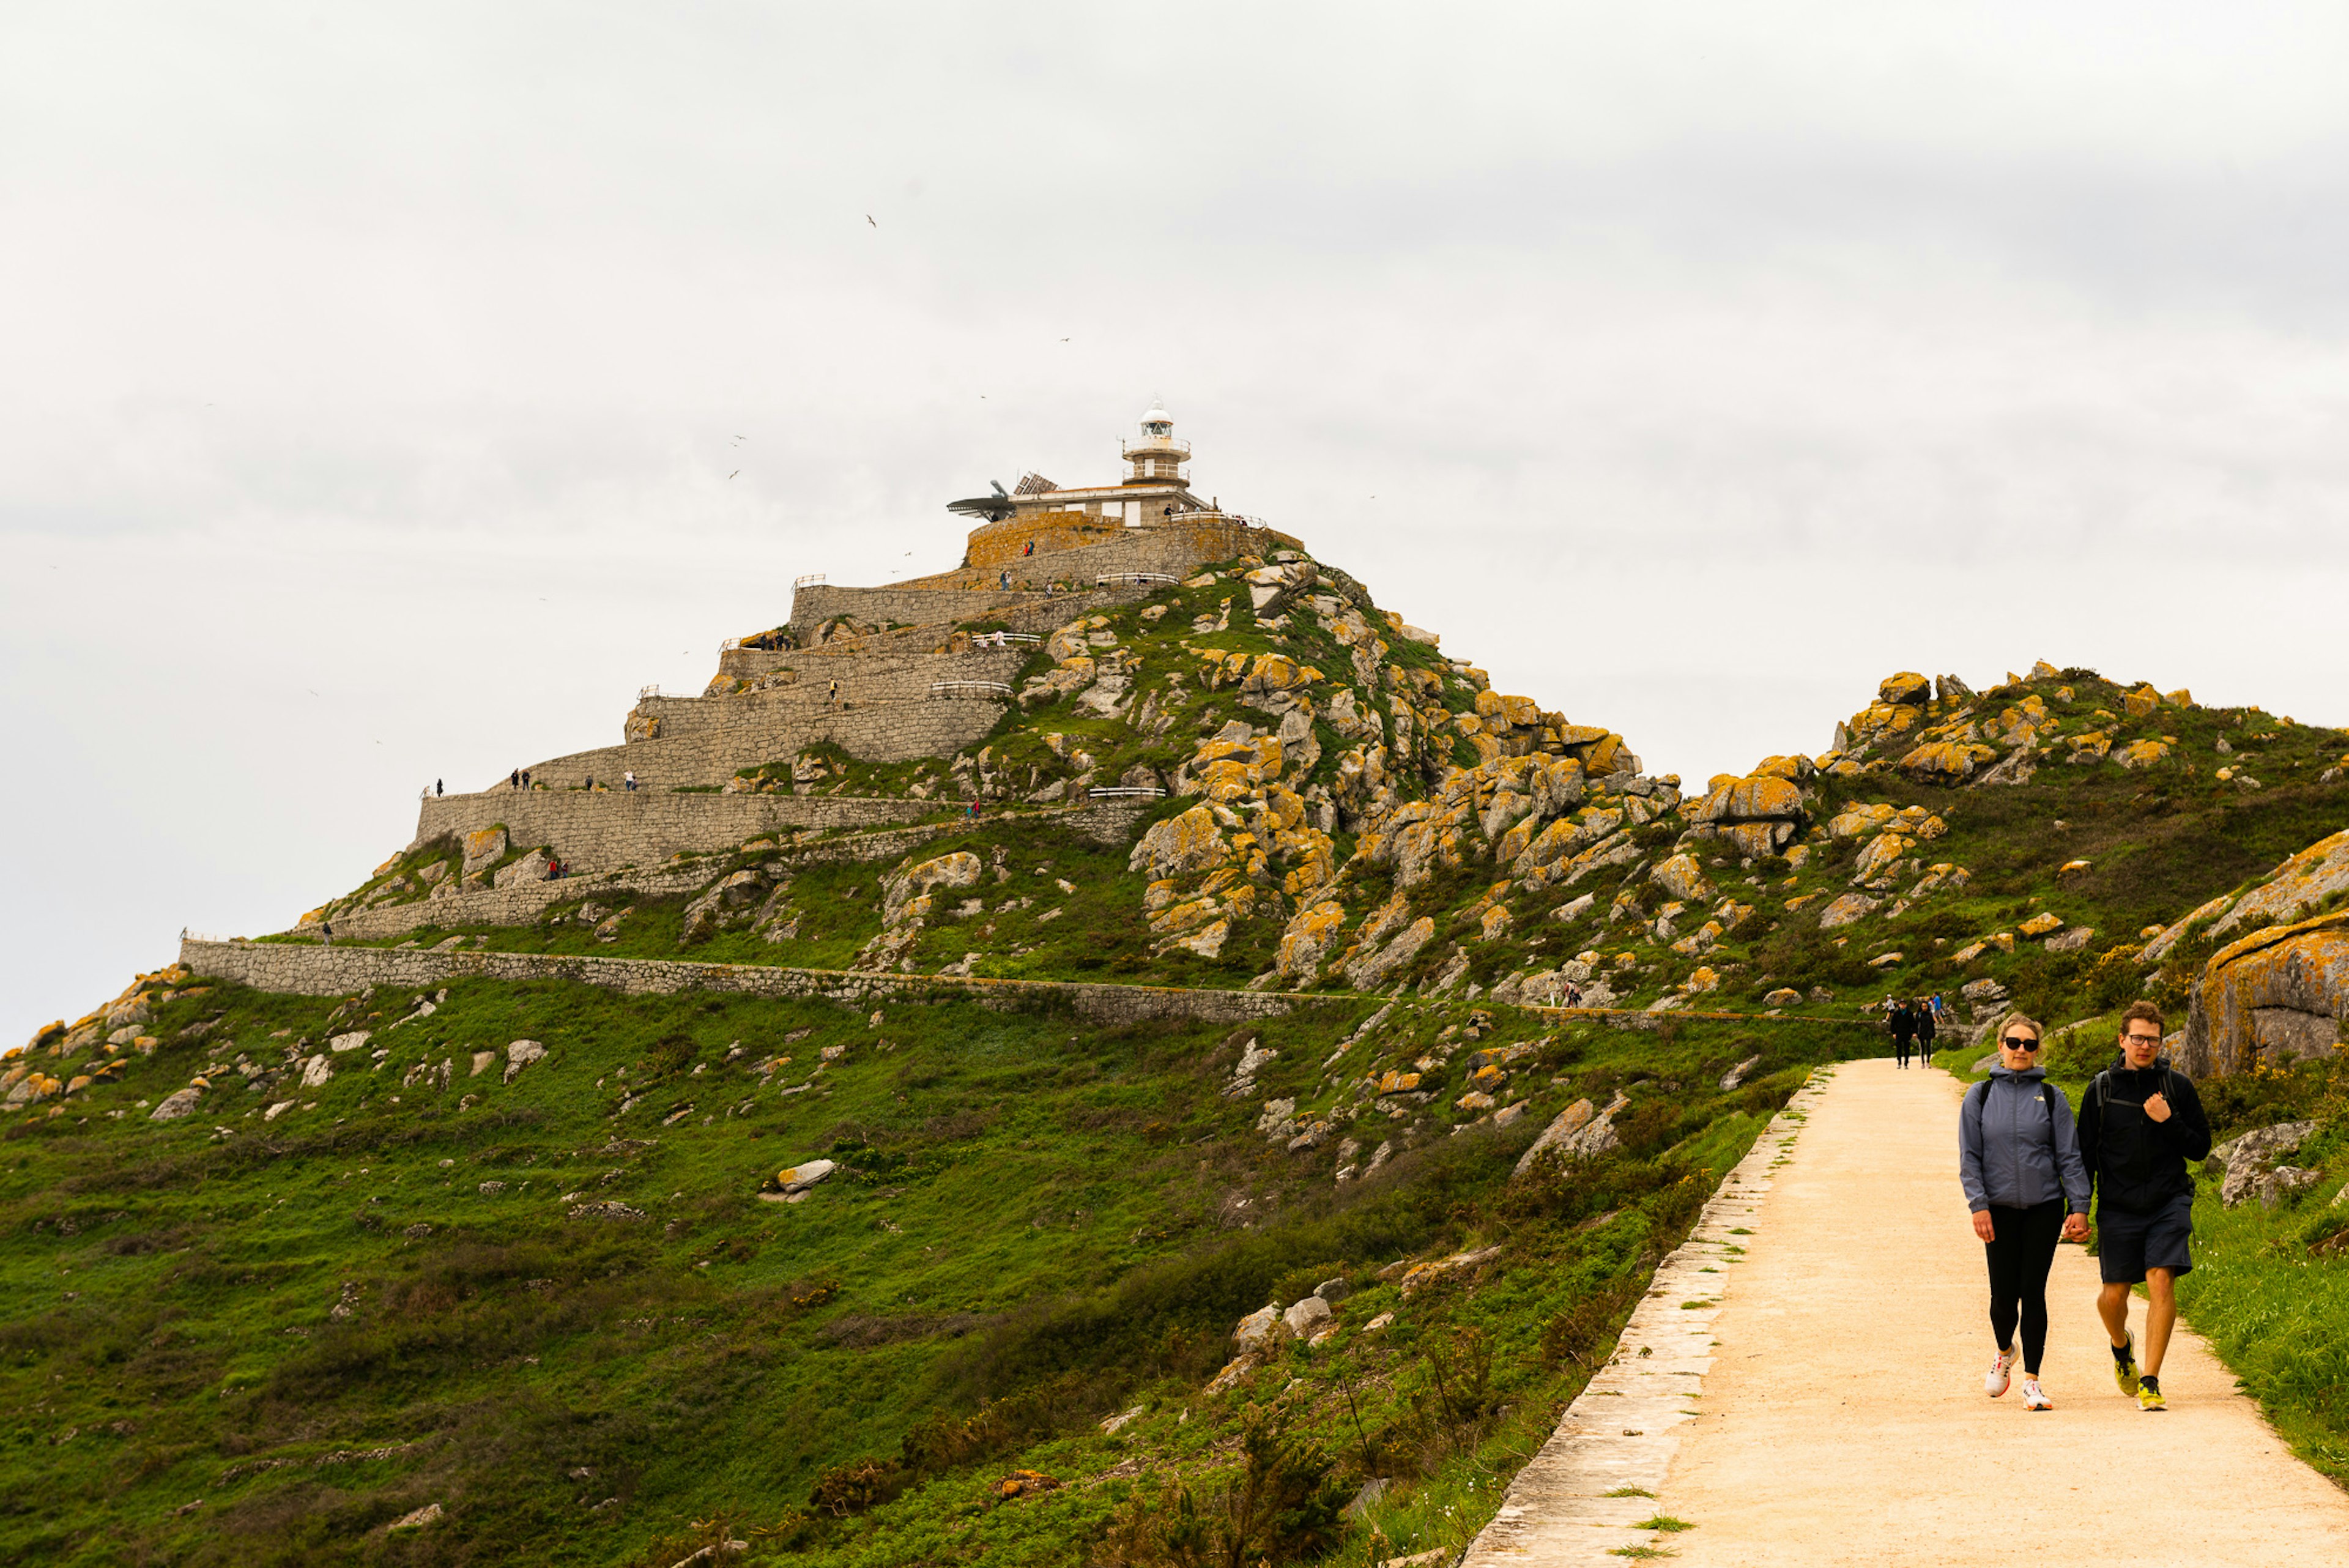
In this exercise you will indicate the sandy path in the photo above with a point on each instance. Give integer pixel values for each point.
(1843, 1419)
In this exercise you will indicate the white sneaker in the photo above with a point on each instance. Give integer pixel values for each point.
(2034, 1396)
(2002, 1366)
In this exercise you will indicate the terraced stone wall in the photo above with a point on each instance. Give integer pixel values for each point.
(950, 599)
(762, 732)
(893, 675)
(595, 832)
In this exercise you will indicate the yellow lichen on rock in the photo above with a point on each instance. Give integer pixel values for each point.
(1907, 689)
(2040, 924)
(2141, 702)
(2141, 754)
(1946, 761)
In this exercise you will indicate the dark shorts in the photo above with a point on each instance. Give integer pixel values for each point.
(2127, 1245)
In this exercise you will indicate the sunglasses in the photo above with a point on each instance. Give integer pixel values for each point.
(2020, 1043)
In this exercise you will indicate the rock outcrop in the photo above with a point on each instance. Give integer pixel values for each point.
(2277, 996)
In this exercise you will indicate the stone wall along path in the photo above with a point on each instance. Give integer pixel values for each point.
(1843, 1419)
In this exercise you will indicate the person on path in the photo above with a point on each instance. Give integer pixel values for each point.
(2019, 1161)
(1903, 1024)
(632, 778)
(2140, 1122)
(1925, 1030)
(436, 788)
(834, 695)
(326, 933)
(526, 778)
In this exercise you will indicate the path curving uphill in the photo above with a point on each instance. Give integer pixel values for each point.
(1841, 1418)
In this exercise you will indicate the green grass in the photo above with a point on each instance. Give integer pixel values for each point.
(1036, 1223)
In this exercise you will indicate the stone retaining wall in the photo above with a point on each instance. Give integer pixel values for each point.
(593, 831)
(771, 732)
(885, 674)
(306, 971)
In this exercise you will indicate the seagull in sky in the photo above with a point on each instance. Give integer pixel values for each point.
(868, 218)
(731, 475)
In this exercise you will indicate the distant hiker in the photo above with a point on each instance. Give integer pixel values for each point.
(513, 779)
(2019, 1161)
(326, 933)
(2140, 1122)
(1925, 1030)
(631, 781)
(834, 696)
(526, 778)
(1030, 549)
(1004, 580)
(1903, 1024)
(436, 788)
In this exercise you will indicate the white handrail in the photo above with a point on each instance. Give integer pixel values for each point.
(1113, 792)
(970, 689)
(1103, 581)
(804, 579)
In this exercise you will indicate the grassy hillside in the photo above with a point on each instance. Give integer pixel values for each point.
(559, 1308)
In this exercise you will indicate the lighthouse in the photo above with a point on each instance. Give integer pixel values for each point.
(1157, 458)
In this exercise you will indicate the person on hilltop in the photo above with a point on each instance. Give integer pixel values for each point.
(1923, 1009)
(436, 789)
(1903, 1024)
(2019, 1160)
(630, 782)
(2140, 1122)
(513, 779)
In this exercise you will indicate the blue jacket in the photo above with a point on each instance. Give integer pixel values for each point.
(2015, 1150)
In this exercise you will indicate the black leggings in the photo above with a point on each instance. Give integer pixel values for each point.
(2020, 1252)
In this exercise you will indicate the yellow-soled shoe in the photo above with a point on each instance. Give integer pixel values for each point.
(2124, 1369)
(2148, 1395)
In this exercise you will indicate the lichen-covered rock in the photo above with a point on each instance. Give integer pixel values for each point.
(899, 892)
(2309, 877)
(1907, 689)
(2039, 925)
(1682, 878)
(1946, 761)
(2274, 997)
(1846, 909)
(1180, 845)
(1367, 971)
(534, 867)
(483, 847)
(520, 1053)
(176, 1106)
(1575, 1133)
(1880, 854)
(2141, 754)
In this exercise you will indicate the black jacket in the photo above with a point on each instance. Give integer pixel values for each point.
(2141, 1163)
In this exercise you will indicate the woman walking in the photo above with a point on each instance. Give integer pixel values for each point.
(2019, 1159)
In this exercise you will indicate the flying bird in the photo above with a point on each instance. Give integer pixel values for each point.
(731, 475)
(868, 218)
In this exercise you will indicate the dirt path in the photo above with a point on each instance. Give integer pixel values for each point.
(1843, 1417)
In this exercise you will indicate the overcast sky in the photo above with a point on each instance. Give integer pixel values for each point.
(389, 396)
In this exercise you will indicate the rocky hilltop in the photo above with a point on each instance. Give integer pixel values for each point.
(1030, 1063)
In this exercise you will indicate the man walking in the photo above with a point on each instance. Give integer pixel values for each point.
(1903, 1023)
(1924, 1011)
(2140, 1122)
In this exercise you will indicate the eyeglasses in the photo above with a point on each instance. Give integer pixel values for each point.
(2142, 1039)
(2020, 1043)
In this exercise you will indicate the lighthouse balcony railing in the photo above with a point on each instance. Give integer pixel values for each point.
(1167, 444)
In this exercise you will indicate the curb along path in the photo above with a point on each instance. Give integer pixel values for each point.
(1619, 1435)
(1844, 1419)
